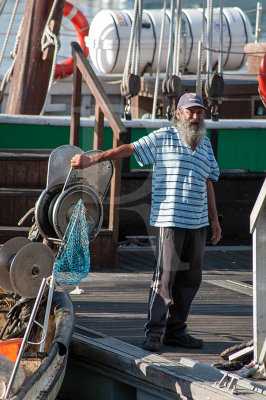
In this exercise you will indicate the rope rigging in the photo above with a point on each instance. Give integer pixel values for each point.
(49, 38)
(156, 87)
(201, 46)
(171, 85)
(13, 54)
(131, 81)
(214, 86)
(9, 28)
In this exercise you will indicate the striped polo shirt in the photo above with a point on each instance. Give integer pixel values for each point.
(179, 196)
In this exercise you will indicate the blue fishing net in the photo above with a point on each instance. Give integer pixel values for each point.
(72, 262)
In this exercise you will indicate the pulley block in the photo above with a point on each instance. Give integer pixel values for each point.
(215, 88)
(132, 86)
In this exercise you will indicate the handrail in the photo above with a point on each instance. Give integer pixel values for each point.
(103, 107)
(64, 120)
(98, 92)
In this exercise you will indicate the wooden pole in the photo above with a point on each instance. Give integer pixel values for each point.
(103, 108)
(115, 201)
(76, 103)
(31, 72)
(99, 128)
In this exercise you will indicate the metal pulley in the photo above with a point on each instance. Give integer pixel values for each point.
(214, 91)
(23, 265)
(66, 187)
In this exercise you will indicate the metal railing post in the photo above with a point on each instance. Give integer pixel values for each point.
(258, 230)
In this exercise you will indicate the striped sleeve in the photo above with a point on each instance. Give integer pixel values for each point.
(145, 150)
(214, 169)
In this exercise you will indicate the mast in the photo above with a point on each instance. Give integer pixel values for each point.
(32, 68)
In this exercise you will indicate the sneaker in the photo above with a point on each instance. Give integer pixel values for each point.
(184, 340)
(152, 343)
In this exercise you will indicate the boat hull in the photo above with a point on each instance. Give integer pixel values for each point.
(46, 381)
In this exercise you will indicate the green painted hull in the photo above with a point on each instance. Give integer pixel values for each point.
(237, 148)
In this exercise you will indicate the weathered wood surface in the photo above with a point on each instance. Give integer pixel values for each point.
(115, 303)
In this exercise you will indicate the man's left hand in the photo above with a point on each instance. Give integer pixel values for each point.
(216, 232)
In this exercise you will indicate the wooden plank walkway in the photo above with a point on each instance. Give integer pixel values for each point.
(115, 302)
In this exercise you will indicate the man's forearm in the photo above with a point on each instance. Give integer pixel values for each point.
(83, 161)
(215, 226)
(211, 201)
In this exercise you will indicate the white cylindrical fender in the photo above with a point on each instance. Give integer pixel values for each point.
(109, 37)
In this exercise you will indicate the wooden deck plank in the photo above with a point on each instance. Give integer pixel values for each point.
(115, 303)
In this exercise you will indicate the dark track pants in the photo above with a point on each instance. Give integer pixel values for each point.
(176, 280)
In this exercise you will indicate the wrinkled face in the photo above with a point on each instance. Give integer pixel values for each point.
(190, 125)
(193, 115)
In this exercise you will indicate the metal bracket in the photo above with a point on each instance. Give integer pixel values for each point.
(228, 382)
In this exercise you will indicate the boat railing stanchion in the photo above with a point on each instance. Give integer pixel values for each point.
(26, 336)
(258, 22)
(47, 311)
(257, 229)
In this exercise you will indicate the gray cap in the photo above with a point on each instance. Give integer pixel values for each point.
(190, 100)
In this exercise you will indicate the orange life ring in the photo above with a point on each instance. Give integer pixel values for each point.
(262, 80)
(82, 27)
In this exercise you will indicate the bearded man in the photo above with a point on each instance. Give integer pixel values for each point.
(183, 201)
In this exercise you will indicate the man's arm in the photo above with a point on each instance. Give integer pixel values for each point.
(215, 226)
(80, 161)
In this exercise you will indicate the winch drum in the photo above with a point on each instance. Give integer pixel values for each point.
(23, 265)
(65, 187)
(65, 204)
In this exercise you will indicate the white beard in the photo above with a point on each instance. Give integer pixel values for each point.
(188, 134)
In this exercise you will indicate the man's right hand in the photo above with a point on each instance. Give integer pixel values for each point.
(80, 161)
